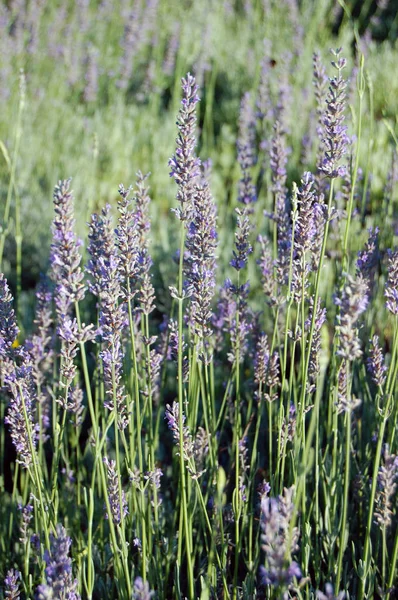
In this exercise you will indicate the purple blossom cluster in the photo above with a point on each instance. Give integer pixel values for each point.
(200, 265)
(184, 165)
(387, 484)
(277, 541)
(58, 571)
(335, 140)
(65, 257)
(391, 289)
(118, 504)
(352, 303)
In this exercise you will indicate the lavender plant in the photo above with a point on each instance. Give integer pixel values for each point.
(222, 425)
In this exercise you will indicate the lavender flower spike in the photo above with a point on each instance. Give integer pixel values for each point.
(353, 302)
(59, 578)
(8, 325)
(387, 476)
(20, 384)
(276, 514)
(65, 256)
(375, 362)
(118, 505)
(11, 585)
(201, 263)
(141, 590)
(184, 164)
(336, 139)
(391, 291)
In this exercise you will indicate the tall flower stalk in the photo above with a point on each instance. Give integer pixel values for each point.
(185, 170)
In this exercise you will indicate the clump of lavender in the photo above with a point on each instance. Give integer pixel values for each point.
(391, 289)
(59, 578)
(184, 164)
(335, 140)
(375, 362)
(65, 257)
(118, 504)
(142, 590)
(352, 303)
(8, 324)
(387, 476)
(277, 541)
(11, 584)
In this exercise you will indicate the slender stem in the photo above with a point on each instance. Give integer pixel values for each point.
(343, 536)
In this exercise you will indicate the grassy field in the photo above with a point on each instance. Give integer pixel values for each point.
(198, 300)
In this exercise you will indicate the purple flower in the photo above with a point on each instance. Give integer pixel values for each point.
(172, 416)
(40, 347)
(368, 258)
(8, 325)
(172, 49)
(201, 261)
(261, 361)
(118, 504)
(65, 257)
(352, 303)
(276, 515)
(11, 584)
(101, 245)
(26, 517)
(266, 264)
(329, 594)
(278, 161)
(59, 578)
(387, 476)
(346, 402)
(320, 84)
(247, 134)
(391, 289)
(18, 380)
(335, 140)
(106, 267)
(246, 151)
(314, 364)
(243, 246)
(127, 236)
(184, 164)
(375, 362)
(141, 590)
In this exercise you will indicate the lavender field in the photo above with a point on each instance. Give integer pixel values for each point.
(198, 300)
